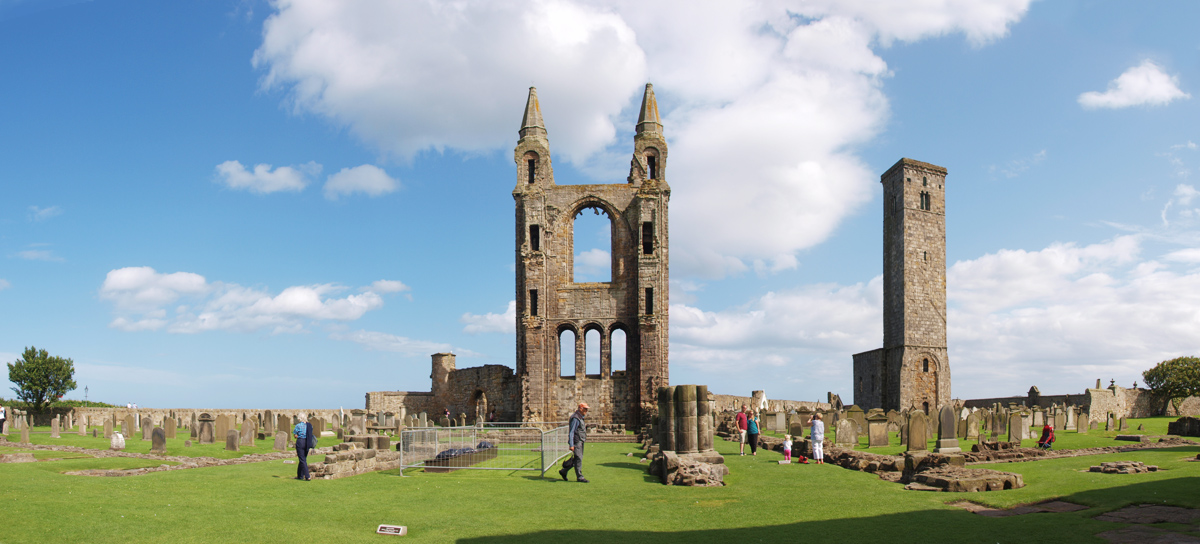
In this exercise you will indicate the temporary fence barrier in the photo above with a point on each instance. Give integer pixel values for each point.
(494, 446)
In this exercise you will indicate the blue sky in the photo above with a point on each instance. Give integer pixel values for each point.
(247, 204)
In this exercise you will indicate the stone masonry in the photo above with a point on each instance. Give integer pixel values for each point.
(912, 370)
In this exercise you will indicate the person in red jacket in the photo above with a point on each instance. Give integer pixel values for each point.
(742, 420)
(1047, 437)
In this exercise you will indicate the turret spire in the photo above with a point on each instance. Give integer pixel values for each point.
(531, 123)
(648, 120)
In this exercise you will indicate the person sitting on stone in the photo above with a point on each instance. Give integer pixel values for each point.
(1047, 437)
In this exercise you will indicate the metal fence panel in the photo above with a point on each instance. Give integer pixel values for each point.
(501, 446)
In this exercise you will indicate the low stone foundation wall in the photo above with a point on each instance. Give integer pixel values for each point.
(351, 459)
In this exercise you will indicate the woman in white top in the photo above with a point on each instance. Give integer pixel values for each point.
(817, 434)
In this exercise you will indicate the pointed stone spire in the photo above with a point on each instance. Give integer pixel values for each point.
(531, 123)
(648, 120)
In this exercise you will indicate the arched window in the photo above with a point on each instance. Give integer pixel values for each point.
(616, 346)
(592, 246)
(925, 406)
(924, 181)
(566, 352)
(925, 365)
(591, 346)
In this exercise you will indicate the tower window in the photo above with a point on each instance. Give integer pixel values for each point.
(925, 406)
(926, 204)
(652, 163)
(926, 364)
(533, 302)
(535, 238)
(924, 181)
(649, 301)
(925, 255)
(532, 169)
(647, 238)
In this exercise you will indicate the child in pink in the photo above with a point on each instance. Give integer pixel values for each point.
(787, 448)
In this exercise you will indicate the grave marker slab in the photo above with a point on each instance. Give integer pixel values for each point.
(231, 440)
(847, 433)
(947, 431)
(915, 432)
(117, 443)
(281, 440)
(158, 441)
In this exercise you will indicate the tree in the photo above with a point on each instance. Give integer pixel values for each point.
(40, 378)
(1174, 380)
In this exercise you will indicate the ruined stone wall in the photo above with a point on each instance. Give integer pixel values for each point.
(1042, 400)
(406, 402)
(726, 403)
(97, 416)
(869, 382)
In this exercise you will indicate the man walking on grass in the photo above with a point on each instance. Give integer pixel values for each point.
(742, 421)
(576, 437)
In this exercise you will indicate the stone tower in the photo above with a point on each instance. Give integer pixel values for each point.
(913, 369)
(550, 304)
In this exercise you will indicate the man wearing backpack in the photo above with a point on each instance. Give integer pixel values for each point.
(304, 441)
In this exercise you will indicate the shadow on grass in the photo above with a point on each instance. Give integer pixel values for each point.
(640, 467)
(923, 526)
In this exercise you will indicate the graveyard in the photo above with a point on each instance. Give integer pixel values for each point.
(48, 500)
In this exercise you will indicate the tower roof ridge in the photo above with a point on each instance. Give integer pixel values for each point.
(532, 120)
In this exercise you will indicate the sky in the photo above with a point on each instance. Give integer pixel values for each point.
(288, 204)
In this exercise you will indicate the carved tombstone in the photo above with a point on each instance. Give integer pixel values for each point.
(206, 434)
(947, 430)
(147, 428)
(877, 425)
(249, 432)
(855, 413)
(281, 441)
(1060, 421)
(282, 424)
(158, 441)
(117, 442)
(268, 419)
(54, 427)
(847, 433)
(1015, 422)
(108, 426)
(169, 427)
(915, 432)
(973, 423)
(231, 440)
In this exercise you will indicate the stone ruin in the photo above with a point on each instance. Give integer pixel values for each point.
(682, 452)
(1123, 467)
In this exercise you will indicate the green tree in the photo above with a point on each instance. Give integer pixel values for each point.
(1174, 380)
(40, 378)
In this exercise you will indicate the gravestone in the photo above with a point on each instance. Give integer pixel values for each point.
(998, 424)
(206, 434)
(117, 442)
(444, 422)
(268, 422)
(960, 431)
(1015, 434)
(947, 431)
(422, 420)
(915, 432)
(54, 427)
(24, 433)
(1121, 425)
(358, 422)
(220, 426)
(93, 433)
(973, 421)
(895, 421)
(1072, 420)
(231, 440)
(281, 440)
(1039, 418)
(1110, 423)
(282, 424)
(877, 435)
(1094, 425)
(187, 443)
(169, 427)
(158, 441)
(249, 431)
(1060, 421)
(83, 426)
(147, 428)
(855, 413)
(128, 426)
(108, 425)
(847, 433)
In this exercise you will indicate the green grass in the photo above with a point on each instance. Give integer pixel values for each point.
(135, 444)
(764, 502)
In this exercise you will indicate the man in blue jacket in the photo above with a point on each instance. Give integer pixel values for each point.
(304, 441)
(576, 437)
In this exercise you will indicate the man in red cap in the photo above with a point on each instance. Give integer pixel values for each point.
(576, 437)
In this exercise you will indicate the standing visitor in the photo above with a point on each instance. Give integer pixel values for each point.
(787, 448)
(304, 442)
(3, 416)
(576, 437)
(741, 425)
(752, 432)
(817, 434)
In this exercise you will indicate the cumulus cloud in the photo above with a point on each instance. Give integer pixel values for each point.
(1145, 84)
(41, 214)
(505, 322)
(264, 178)
(367, 179)
(387, 286)
(774, 96)
(185, 302)
(593, 265)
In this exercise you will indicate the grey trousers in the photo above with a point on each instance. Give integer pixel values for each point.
(575, 460)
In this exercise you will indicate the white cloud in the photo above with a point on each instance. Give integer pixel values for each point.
(489, 322)
(1144, 84)
(42, 214)
(774, 96)
(387, 286)
(379, 341)
(4, 284)
(1190, 255)
(367, 179)
(39, 255)
(592, 265)
(141, 295)
(263, 179)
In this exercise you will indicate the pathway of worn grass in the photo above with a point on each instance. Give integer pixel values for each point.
(764, 501)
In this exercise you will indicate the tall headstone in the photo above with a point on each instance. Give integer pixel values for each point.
(855, 413)
(231, 440)
(54, 427)
(423, 420)
(249, 432)
(24, 433)
(220, 426)
(108, 426)
(281, 440)
(206, 434)
(1110, 423)
(1060, 421)
(973, 424)
(1015, 422)
(268, 423)
(877, 430)
(947, 430)
(1072, 420)
(916, 433)
(82, 426)
(847, 433)
(117, 442)
(128, 426)
(169, 427)
(158, 441)
(147, 428)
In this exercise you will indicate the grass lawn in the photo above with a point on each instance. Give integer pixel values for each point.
(135, 444)
(764, 502)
